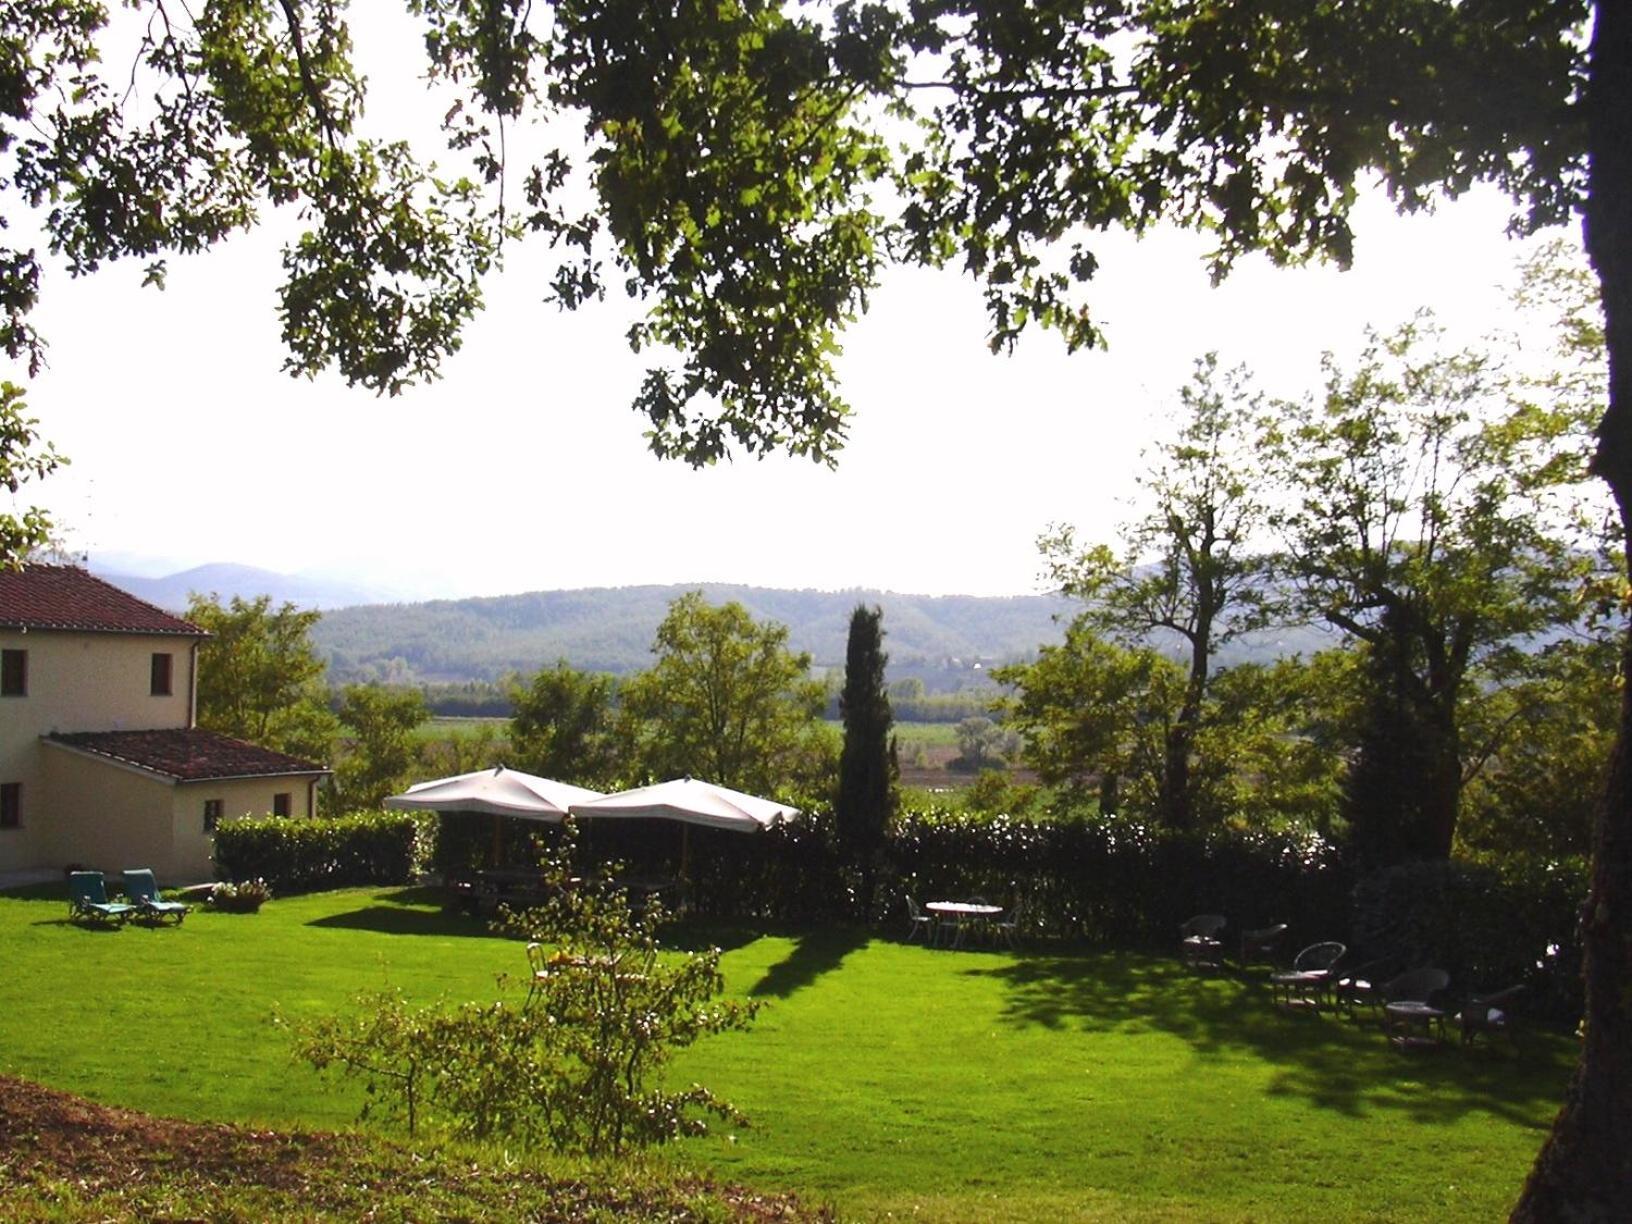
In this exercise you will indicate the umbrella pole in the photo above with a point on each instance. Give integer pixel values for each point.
(498, 838)
(685, 851)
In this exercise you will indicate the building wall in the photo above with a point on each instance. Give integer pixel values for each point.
(240, 797)
(105, 816)
(79, 682)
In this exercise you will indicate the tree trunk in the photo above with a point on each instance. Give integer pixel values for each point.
(1443, 778)
(1177, 800)
(1584, 1170)
(1175, 797)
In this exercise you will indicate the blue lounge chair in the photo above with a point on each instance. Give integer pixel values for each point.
(143, 891)
(88, 898)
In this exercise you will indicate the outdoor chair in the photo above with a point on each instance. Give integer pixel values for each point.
(143, 892)
(1258, 946)
(1360, 989)
(538, 965)
(1410, 1019)
(1199, 944)
(1488, 1014)
(1007, 926)
(1309, 980)
(88, 898)
(922, 923)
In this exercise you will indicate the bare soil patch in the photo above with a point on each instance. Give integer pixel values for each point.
(63, 1157)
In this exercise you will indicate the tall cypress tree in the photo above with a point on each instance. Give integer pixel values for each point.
(868, 770)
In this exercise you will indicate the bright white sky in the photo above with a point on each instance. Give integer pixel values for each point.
(524, 468)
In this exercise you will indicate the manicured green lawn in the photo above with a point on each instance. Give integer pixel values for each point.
(892, 1080)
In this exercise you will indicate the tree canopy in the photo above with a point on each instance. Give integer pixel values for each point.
(1189, 565)
(258, 677)
(726, 700)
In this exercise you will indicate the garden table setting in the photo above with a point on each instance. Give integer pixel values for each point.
(960, 916)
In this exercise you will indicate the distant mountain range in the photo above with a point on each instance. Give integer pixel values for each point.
(949, 641)
(227, 579)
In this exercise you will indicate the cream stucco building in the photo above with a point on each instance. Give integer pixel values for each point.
(100, 761)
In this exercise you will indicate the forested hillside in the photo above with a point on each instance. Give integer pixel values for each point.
(948, 641)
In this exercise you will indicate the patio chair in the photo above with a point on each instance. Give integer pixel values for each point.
(143, 892)
(538, 965)
(1488, 1014)
(88, 898)
(1007, 926)
(1309, 980)
(1410, 1019)
(1360, 990)
(1199, 944)
(922, 923)
(1258, 946)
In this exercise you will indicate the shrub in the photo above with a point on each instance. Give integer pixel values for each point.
(577, 1065)
(301, 854)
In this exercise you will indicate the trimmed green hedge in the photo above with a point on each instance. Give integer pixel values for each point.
(301, 854)
(1489, 925)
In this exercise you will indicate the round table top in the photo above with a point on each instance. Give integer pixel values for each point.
(963, 907)
(1411, 1007)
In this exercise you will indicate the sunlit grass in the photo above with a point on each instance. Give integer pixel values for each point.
(890, 1079)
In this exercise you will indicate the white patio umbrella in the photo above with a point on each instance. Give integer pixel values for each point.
(498, 792)
(690, 801)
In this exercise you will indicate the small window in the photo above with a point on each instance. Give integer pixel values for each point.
(280, 803)
(11, 805)
(13, 673)
(212, 814)
(161, 674)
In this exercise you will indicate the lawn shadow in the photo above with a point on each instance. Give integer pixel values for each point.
(403, 920)
(1320, 1058)
(416, 894)
(699, 935)
(814, 953)
(52, 890)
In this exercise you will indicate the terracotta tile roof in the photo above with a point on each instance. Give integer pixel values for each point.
(65, 597)
(188, 754)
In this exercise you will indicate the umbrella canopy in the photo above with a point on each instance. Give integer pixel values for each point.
(500, 791)
(692, 802)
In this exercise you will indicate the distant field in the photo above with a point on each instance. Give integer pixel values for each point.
(924, 748)
(907, 734)
(460, 728)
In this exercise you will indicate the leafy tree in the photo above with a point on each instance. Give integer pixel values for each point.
(22, 459)
(1092, 714)
(1185, 566)
(1544, 747)
(1276, 742)
(1418, 524)
(563, 726)
(381, 749)
(869, 772)
(983, 744)
(258, 676)
(578, 1065)
(726, 700)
